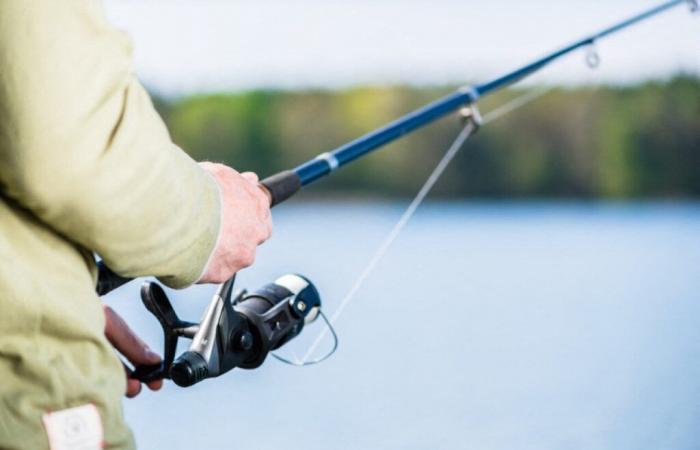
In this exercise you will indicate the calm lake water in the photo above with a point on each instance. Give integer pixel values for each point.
(487, 326)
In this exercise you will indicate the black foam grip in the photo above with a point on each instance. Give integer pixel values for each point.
(282, 186)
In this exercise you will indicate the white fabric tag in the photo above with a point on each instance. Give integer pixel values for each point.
(78, 428)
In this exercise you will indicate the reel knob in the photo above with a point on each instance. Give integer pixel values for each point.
(188, 369)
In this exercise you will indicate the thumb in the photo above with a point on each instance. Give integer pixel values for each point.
(251, 176)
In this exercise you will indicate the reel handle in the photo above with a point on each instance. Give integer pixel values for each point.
(156, 301)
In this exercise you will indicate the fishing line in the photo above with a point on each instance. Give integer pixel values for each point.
(394, 233)
(299, 362)
(592, 59)
(516, 103)
(472, 124)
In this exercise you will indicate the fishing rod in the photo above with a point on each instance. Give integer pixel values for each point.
(285, 184)
(241, 329)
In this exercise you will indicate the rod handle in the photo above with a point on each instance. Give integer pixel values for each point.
(107, 281)
(281, 186)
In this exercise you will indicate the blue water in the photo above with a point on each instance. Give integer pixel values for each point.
(487, 326)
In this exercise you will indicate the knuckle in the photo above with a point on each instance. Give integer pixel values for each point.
(247, 256)
(251, 176)
(264, 234)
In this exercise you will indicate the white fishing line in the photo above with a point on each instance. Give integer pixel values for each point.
(516, 103)
(467, 131)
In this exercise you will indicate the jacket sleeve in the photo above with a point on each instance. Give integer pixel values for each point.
(82, 147)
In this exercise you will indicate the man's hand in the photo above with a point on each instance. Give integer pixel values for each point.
(132, 347)
(246, 222)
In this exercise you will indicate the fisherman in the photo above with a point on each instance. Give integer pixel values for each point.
(87, 168)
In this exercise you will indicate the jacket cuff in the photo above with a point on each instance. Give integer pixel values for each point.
(195, 261)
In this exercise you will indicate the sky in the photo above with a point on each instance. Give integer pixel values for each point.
(185, 46)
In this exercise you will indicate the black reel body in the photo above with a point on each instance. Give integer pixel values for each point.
(236, 330)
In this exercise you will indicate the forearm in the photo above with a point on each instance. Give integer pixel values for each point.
(82, 147)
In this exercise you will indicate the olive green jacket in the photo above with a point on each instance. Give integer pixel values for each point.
(86, 167)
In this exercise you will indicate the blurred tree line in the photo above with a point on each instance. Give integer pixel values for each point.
(609, 142)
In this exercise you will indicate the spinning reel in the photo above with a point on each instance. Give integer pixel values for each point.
(236, 330)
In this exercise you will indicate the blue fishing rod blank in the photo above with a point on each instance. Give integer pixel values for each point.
(285, 184)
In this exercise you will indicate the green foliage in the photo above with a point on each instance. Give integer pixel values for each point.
(612, 142)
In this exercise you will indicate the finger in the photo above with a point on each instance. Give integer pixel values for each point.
(251, 176)
(155, 385)
(263, 240)
(263, 199)
(268, 194)
(263, 232)
(133, 386)
(268, 228)
(246, 258)
(126, 342)
(264, 209)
